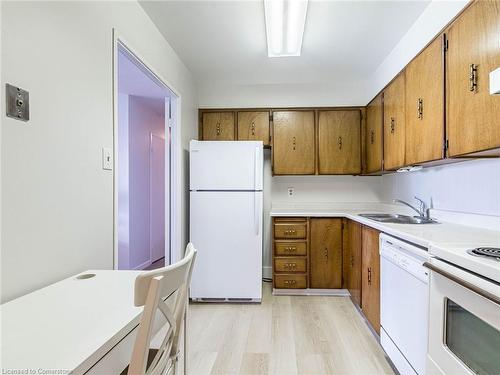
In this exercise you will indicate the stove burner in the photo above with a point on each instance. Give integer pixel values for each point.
(490, 252)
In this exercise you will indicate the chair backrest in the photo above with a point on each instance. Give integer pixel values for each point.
(151, 290)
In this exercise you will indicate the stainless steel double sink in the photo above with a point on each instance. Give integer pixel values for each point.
(398, 219)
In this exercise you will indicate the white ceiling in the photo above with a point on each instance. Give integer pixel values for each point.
(225, 41)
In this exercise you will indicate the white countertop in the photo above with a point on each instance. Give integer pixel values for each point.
(69, 325)
(445, 235)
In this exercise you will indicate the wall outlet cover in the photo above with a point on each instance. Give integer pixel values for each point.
(290, 191)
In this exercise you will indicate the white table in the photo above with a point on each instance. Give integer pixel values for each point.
(82, 326)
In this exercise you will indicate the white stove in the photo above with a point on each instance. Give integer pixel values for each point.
(464, 309)
(471, 257)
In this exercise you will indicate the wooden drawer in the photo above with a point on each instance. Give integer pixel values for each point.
(290, 248)
(290, 264)
(290, 230)
(290, 281)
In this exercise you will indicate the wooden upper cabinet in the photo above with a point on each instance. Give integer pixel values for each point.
(473, 115)
(293, 143)
(339, 146)
(370, 276)
(326, 253)
(394, 124)
(218, 126)
(254, 126)
(352, 259)
(373, 135)
(425, 105)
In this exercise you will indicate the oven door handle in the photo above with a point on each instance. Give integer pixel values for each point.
(490, 296)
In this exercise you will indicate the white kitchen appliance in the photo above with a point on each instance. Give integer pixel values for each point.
(464, 310)
(226, 202)
(404, 299)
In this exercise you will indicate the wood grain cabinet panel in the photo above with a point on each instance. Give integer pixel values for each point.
(425, 105)
(254, 126)
(339, 146)
(394, 124)
(373, 135)
(290, 248)
(218, 126)
(473, 115)
(290, 264)
(352, 259)
(293, 143)
(290, 281)
(370, 276)
(290, 230)
(326, 253)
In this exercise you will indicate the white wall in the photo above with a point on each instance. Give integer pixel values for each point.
(281, 95)
(470, 186)
(57, 212)
(142, 122)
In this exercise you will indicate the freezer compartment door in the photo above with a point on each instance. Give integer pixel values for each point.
(220, 165)
(226, 228)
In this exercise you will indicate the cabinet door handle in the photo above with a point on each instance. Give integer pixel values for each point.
(218, 128)
(326, 253)
(352, 260)
(372, 137)
(294, 143)
(392, 125)
(340, 143)
(253, 128)
(369, 276)
(420, 108)
(472, 77)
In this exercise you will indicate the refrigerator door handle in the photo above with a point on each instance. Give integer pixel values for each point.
(256, 210)
(256, 168)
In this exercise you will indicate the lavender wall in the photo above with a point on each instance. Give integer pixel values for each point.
(146, 116)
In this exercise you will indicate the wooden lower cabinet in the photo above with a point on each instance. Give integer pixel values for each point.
(290, 253)
(370, 276)
(352, 259)
(325, 253)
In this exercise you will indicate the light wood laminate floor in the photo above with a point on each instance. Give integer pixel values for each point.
(283, 335)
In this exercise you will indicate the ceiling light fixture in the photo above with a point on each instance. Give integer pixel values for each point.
(285, 21)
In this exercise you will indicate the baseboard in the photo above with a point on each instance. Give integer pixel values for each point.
(143, 265)
(311, 292)
(267, 272)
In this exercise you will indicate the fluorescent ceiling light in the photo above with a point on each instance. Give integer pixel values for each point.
(285, 21)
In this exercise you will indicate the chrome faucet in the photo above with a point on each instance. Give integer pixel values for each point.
(422, 210)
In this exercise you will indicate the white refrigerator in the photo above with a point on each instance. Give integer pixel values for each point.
(226, 202)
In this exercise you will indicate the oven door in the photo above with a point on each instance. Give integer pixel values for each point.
(464, 322)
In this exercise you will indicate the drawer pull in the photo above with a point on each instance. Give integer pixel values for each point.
(290, 282)
(290, 249)
(290, 232)
(291, 265)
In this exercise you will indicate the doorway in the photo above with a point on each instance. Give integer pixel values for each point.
(143, 160)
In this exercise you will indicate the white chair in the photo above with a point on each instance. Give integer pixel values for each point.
(151, 290)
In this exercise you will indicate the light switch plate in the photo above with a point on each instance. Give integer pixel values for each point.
(18, 103)
(107, 159)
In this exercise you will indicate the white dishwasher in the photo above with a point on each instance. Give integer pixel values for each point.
(404, 300)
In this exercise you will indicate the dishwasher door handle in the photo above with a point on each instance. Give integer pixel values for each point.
(483, 293)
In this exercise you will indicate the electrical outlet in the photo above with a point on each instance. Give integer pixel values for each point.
(290, 191)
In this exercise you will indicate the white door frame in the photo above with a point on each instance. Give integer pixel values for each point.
(173, 223)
